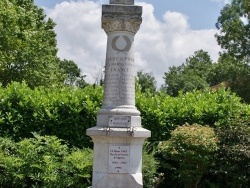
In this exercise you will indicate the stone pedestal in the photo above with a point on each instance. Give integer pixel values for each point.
(117, 157)
(118, 136)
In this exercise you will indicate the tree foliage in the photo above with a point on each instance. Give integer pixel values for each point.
(80, 82)
(235, 73)
(72, 74)
(199, 72)
(193, 74)
(234, 26)
(146, 81)
(71, 71)
(28, 45)
(234, 38)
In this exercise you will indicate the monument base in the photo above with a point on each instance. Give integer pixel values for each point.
(104, 180)
(117, 156)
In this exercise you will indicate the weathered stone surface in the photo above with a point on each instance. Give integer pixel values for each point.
(113, 22)
(121, 18)
(130, 141)
(121, 9)
(124, 2)
(118, 181)
(118, 136)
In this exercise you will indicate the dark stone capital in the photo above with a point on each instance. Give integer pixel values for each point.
(121, 18)
(124, 2)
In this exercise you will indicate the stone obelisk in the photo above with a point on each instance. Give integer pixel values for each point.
(118, 136)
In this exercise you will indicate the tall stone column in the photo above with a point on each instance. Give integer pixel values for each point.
(118, 136)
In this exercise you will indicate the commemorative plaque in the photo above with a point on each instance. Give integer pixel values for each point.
(120, 121)
(118, 159)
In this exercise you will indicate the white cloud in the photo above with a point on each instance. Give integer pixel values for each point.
(158, 44)
(79, 35)
(222, 1)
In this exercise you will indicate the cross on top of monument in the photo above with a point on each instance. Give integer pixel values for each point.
(123, 2)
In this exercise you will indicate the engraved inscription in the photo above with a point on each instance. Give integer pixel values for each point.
(120, 121)
(119, 81)
(118, 159)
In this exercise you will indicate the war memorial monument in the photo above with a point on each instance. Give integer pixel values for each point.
(118, 136)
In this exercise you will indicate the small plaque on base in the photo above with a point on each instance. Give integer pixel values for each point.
(118, 159)
(120, 121)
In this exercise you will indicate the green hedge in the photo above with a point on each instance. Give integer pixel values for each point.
(64, 112)
(68, 112)
(162, 114)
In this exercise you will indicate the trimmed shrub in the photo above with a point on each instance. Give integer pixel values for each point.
(162, 114)
(67, 112)
(64, 112)
(190, 153)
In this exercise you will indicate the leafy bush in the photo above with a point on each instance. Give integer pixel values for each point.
(190, 152)
(151, 178)
(65, 112)
(43, 161)
(233, 159)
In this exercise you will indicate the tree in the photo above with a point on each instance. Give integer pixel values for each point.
(72, 74)
(234, 38)
(194, 74)
(234, 26)
(233, 73)
(98, 76)
(80, 82)
(146, 81)
(28, 45)
(71, 71)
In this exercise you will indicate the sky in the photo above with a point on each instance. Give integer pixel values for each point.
(171, 31)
